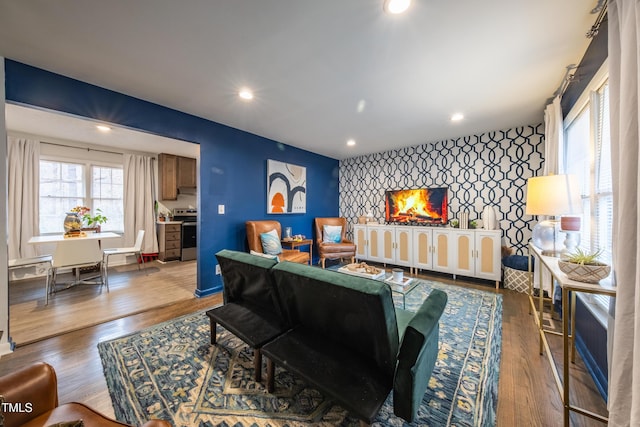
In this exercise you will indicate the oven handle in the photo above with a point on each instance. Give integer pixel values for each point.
(189, 224)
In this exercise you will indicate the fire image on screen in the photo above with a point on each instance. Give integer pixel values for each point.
(416, 206)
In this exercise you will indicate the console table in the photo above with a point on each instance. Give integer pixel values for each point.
(568, 309)
(464, 252)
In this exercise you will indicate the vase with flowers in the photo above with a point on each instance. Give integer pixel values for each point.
(87, 220)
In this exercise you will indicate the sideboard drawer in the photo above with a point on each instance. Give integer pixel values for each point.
(172, 228)
(172, 236)
(172, 244)
(172, 253)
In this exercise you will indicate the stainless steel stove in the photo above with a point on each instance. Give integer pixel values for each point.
(189, 228)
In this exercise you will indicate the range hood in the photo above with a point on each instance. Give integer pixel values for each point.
(187, 190)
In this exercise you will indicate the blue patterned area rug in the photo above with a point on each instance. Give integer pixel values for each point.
(171, 371)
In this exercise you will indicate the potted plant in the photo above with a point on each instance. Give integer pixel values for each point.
(94, 221)
(583, 266)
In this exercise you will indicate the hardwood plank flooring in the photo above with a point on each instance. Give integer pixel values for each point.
(87, 305)
(527, 393)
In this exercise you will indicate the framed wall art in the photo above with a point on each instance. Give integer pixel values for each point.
(286, 188)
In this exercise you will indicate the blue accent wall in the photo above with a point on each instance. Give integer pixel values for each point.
(232, 162)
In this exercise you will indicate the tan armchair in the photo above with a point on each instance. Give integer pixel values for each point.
(344, 249)
(33, 391)
(255, 228)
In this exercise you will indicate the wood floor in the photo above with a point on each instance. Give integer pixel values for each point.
(527, 393)
(130, 291)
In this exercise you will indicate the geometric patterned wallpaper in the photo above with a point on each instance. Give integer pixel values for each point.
(486, 169)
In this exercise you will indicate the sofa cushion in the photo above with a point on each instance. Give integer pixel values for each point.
(417, 356)
(271, 243)
(331, 233)
(361, 317)
(251, 326)
(337, 371)
(246, 280)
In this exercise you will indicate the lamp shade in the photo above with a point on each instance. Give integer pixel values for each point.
(553, 195)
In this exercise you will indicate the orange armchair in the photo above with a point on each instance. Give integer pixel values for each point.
(329, 250)
(33, 392)
(255, 228)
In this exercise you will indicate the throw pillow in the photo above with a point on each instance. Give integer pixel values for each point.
(271, 243)
(265, 255)
(331, 233)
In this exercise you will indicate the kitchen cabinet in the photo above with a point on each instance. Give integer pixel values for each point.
(169, 239)
(168, 176)
(174, 173)
(186, 172)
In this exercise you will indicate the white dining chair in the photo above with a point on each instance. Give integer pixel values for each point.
(16, 264)
(135, 249)
(75, 253)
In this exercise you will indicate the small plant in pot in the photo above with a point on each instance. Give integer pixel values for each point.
(583, 266)
(94, 221)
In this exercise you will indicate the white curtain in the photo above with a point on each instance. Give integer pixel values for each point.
(553, 140)
(624, 45)
(553, 136)
(23, 158)
(139, 199)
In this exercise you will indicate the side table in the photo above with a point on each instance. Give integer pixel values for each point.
(293, 244)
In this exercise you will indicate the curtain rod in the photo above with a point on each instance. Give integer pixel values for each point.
(601, 7)
(569, 75)
(86, 148)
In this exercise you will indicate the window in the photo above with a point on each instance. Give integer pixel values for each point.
(587, 155)
(64, 185)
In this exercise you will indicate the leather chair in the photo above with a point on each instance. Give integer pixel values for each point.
(255, 228)
(344, 249)
(33, 392)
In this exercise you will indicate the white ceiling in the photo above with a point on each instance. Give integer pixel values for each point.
(57, 126)
(311, 63)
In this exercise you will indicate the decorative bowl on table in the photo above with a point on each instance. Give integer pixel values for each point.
(362, 267)
(586, 273)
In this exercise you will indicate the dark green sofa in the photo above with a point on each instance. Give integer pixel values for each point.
(340, 333)
(251, 309)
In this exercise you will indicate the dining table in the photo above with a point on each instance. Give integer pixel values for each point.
(75, 252)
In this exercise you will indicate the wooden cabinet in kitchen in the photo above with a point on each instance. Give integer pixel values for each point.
(186, 172)
(168, 176)
(175, 172)
(168, 241)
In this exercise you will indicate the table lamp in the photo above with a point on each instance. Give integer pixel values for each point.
(551, 195)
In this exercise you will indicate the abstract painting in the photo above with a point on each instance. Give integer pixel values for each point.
(286, 188)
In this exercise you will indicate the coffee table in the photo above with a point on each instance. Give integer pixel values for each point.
(408, 285)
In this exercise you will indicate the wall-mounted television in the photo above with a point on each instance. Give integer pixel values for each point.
(420, 206)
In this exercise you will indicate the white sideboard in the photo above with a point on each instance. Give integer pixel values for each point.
(470, 252)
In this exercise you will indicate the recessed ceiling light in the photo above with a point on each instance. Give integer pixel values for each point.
(351, 142)
(103, 128)
(457, 117)
(246, 94)
(396, 6)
